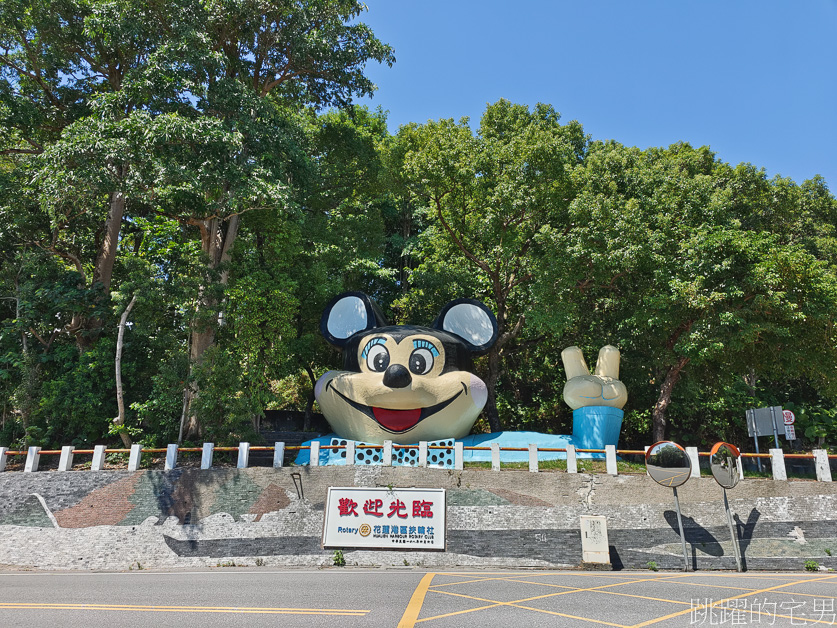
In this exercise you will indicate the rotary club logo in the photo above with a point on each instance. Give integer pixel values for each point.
(365, 529)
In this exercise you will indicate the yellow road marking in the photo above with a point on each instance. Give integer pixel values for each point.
(182, 609)
(408, 619)
(516, 603)
(450, 584)
(735, 597)
(528, 608)
(674, 579)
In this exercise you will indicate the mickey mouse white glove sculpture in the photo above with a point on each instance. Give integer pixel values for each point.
(602, 388)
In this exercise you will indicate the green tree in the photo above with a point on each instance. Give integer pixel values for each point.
(659, 260)
(489, 194)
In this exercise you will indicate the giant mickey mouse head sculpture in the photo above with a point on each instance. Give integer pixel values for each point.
(404, 383)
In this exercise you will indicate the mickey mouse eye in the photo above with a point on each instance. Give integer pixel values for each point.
(377, 358)
(421, 361)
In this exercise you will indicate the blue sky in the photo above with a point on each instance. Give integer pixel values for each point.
(754, 80)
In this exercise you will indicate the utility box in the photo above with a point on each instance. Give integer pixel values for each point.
(594, 545)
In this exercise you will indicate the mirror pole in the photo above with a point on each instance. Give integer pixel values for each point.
(680, 525)
(733, 534)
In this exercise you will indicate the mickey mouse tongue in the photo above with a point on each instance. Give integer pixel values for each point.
(397, 420)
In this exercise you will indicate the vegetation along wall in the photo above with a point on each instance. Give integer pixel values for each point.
(260, 516)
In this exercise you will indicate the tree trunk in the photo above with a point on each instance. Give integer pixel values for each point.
(105, 258)
(309, 407)
(120, 400)
(89, 329)
(658, 416)
(216, 243)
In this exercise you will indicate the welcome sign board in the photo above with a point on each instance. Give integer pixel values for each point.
(383, 518)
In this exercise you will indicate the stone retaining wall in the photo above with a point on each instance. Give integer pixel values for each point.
(274, 517)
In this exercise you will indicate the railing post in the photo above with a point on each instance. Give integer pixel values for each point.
(98, 458)
(610, 459)
(692, 452)
(65, 463)
(243, 455)
(207, 453)
(350, 452)
(647, 447)
(278, 454)
(3, 457)
(33, 458)
(314, 458)
(171, 457)
(458, 456)
(422, 453)
(777, 461)
(135, 458)
(495, 456)
(572, 460)
(533, 458)
(740, 464)
(821, 463)
(387, 457)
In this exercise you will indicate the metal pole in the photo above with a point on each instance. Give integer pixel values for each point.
(775, 427)
(680, 525)
(733, 534)
(751, 423)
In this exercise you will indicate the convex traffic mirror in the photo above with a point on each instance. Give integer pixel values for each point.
(668, 464)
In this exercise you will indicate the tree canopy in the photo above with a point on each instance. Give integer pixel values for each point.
(184, 186)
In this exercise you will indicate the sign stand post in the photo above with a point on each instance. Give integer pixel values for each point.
(682, 536)
(723, 461)
(668, 464)
(732, 534)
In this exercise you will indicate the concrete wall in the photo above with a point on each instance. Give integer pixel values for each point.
(189, 518)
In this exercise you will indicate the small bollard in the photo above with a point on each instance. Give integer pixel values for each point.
(278, 455)
(422, 453)
(135, 457)
(458, 456)
(98, 458)
(821, 463)
(171, 457)
(572, 460)
(533, 458)
(610, 459)
(33, 458)
(243, 455)
(495, 456)
(777, 461)
(314, 458)
(3, 457)
(692, 452)
(387, 461)
(207, 453)
(65, 463)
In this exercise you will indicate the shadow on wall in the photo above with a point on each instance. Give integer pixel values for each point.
(745, 533)
(701, 539)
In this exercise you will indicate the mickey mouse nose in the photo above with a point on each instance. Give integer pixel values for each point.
(397, 376)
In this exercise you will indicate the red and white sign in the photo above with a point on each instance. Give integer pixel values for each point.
(400, 518)
(790, 432)
(789, 417)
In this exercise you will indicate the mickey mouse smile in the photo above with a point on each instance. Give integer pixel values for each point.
(394, 420)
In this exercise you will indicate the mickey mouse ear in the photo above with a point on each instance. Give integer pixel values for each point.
(348, 314)
(472, 321)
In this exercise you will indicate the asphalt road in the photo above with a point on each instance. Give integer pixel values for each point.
(349, 597)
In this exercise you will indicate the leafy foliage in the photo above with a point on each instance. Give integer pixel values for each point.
(184, 154)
